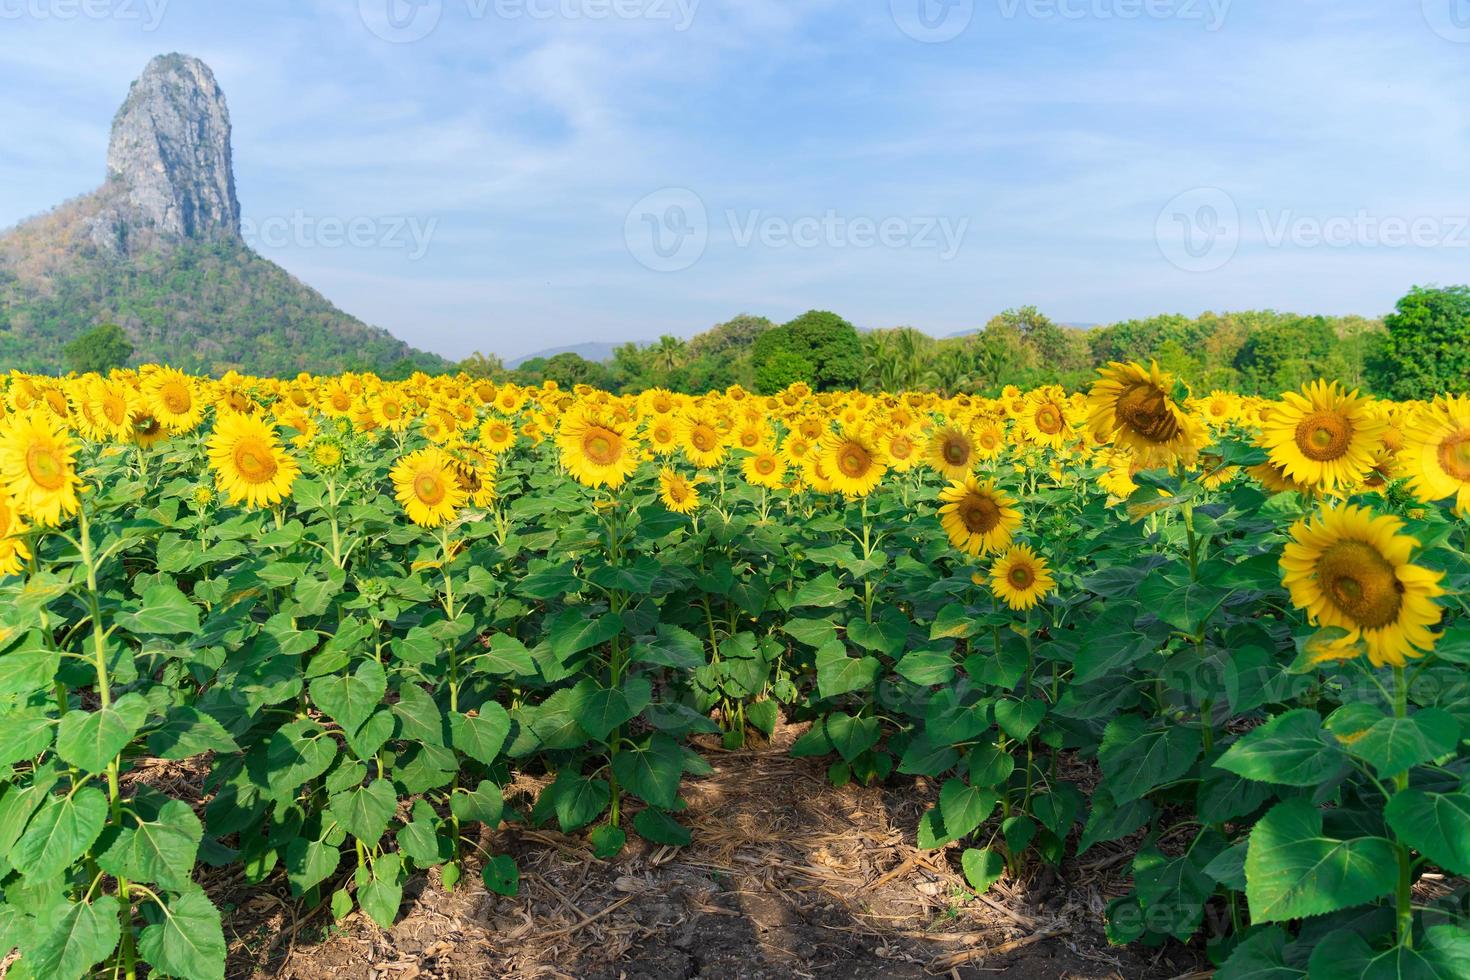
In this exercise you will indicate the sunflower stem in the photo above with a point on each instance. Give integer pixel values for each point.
(1403, 896)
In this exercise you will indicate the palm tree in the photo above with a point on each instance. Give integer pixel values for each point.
(668, 353)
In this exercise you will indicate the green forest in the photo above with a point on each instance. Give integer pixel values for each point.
(1423, 347)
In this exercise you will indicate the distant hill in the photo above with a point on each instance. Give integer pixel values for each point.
(594, 351)
(157, 249)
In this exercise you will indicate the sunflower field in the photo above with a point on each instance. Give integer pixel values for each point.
(361, 607)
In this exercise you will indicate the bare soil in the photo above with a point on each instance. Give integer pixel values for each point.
(786, 877)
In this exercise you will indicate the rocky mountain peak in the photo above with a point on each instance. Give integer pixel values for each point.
(170, 153)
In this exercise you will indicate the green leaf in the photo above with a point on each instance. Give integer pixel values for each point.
(1107, 821)
(1290, 749)
(24, 672)
(507, 657)
(990, 765)
(166, 611)
(1173, 890)
(983, 867)
(481, 737)
(501, 875)
(822, 591)
(1262, 956)
(607, 841)
(485, 804)
(577, 800)
(1019, 719)
(599, 709)
(1137, 759)
(161, 851)
(382, 894)
(926, 668)
(850, 736)
(839, 674)
(187, 940)
(419, 839)
(1345, 955)
(652, 772)
(24, 734)
(673, 647)
(90, 740)
(1396, 745)
(657, 826)
(83, 935)
(351, 699)
(1293, 871)
(60, 833)
(364, 811)
(189, 732)
(1183, 604)
(962, 808)
(1436, 825)
(309, 863)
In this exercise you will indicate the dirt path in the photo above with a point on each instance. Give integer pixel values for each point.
(787, 877)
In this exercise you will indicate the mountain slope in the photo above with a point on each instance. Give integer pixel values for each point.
(158, 251)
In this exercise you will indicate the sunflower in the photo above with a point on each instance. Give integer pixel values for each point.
(109, 405)
(173, 399)
(249, 463)
(1135, 409)
(497, 435)
(701, 441)
(36, 466)
(763, 468)
(990, 439)
(424, 483)
(13, 551)
(978, 517)
(1324, 437)
(1350, 569)
(1044, 419)
(853, 460)
(327, 455)
(662, 431)
(1021, 578)
(951, 450)
(147, 430)
(677, 492)
(902, 450)
(596, 449)
(391, 411)
(1436, 453)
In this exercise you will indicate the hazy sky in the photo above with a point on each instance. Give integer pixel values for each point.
(510, 175)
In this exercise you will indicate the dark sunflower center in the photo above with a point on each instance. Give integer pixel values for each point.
(1454, 456)
(1144, 410)
(765, 466)
(1021, 577)
(429, 488)
(854, 461)
(45, 467)
(703, 438)
(1357, 579)
(1048, 420)
(255, 461)
(1324, 436)
(979, 513)
(956, 450)
(601, 446)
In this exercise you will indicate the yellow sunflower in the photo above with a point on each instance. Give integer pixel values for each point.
(1021, 578)
(978, 517)
(902, 449)
(1436, 453)
(37, 467)
(763, 468)
(951, 451)
(662, 431)
(424, 483)
(1324, 437)
(677, 492)
(173, 399)
(1134, 408)
(1351, 569)
(249, 463)
(597, 449)
(497, 435)
(1044, 419)
(853, 460)
(13, 551)
(110, 405)
(701, 441)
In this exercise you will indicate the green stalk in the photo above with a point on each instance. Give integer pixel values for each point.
(1403, 896)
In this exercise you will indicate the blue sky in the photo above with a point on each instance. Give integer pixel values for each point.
(506, 171)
